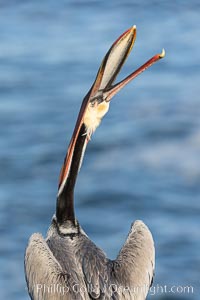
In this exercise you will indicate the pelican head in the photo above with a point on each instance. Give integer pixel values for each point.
(94, 106)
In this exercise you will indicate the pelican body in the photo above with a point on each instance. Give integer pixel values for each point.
(67, 265)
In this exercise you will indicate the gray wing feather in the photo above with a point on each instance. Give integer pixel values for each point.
(42, 270)
(95, 272)
(45, 277)
(134, 266)
(94, 266)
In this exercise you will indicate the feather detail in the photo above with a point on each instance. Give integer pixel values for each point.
(93, 115)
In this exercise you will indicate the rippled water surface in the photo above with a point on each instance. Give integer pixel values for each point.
(144, 160)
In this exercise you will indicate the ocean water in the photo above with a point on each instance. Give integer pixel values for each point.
(143, 162)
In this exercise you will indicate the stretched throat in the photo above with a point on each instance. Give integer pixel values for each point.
(65, 200)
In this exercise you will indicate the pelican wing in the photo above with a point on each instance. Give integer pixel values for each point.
(126, 278)
(134, 267)
(45, 277)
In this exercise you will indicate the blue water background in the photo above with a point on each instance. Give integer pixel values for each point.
(144, 160)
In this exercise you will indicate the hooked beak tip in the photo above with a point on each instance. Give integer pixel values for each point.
(132, 33)
(132, 29)
(128, 32)
(162, 54)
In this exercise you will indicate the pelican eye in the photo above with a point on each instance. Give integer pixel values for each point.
(97, 99)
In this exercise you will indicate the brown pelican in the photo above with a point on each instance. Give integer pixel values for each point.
(67, 264)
